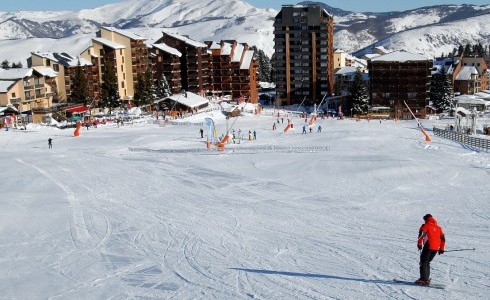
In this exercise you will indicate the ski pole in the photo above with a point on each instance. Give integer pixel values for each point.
(470, 249)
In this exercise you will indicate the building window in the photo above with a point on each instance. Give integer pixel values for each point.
(48, 62)
(385, 95)
(122, 68)
(120, 51)
(122, 84)
(123, 59)
(56, 67)
(13, 95)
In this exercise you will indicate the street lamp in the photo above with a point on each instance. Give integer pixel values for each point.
(351, 112)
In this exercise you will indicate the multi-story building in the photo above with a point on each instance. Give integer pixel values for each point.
(304, 60)
(234, 71)
(471, 77)
(399, 77)
(194, 62)
(128, 53)
(28, 90)
(65, 65)
(166, 61)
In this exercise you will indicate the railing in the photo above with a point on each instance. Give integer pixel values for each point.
(483, 144)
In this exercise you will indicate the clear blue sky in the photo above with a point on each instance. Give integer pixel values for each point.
(351, 5)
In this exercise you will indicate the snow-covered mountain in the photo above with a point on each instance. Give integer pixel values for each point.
(427, 30)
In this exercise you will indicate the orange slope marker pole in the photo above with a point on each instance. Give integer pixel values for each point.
(222, 144)
(77, 130)
(312, 120)
(287, 128)
(427, 136)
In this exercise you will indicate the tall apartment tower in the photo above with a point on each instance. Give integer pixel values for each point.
(128, 53)
(304, 62)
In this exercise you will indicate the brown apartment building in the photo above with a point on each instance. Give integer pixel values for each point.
(234, 71)
(194, 62)
(397, 77)
(65, 65)
(304, 60)
(127, 51)
(166, 61)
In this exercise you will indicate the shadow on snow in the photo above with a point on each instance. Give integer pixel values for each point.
(310, 275)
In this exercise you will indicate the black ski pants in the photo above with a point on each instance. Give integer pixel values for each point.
(426, 257)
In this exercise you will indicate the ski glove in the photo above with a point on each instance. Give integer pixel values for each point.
(441, 252)
(419, 246)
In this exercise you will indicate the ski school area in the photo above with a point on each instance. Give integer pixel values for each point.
(157, 209)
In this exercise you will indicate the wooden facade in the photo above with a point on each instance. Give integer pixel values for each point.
(400, 77)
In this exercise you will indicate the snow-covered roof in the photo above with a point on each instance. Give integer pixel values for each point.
(346, 71)
(247, 60)
(164, 47)
(466, 73)
(215, 46)
(371, 55)
(400, 56)
(5, 85)
(109, 43)
(382, 49)
(63, 58)
(190, 100)
(226, 49)
(339, 51)
(186, 40)
(46, 72)
(125, 33)
(16, 73)
(9, 108)
(237, 54)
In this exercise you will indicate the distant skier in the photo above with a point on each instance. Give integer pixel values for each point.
(431, 241)
(50, 143)
(304, 129)
(311, 129)
(319, 128)
(255, 135)
(201, 132)
(274, 126)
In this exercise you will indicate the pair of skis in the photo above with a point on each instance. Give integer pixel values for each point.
(432, 285)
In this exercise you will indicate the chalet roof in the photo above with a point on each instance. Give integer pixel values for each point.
(371, 55)
(226, 49)
(125, 33)
(186, 40)
(400, 56)
(247, 60)
(466, 73)
(4, 109)
(192, 100)
(46, 72)
(5, 85)
(339, 51)
(237, 54)
(108, 43)
(63, 58)
(15, 74)
(164, 47)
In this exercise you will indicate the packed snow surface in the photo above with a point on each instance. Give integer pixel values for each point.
(144, 211)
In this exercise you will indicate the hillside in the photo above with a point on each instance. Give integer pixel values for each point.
(437, 27)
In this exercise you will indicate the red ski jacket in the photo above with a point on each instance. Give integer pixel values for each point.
(432, 234)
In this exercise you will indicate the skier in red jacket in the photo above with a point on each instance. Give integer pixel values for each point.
(431, 241)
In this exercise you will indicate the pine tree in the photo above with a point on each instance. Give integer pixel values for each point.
(150, 88)
(5, 65)
(460, 50)
(79, 86)
(163, 88)
(139, 89)
(16, 65)
(359, 94)
(441, 92)
(264, 65)
(109, 88)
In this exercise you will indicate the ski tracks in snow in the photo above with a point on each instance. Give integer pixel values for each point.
(78, 226)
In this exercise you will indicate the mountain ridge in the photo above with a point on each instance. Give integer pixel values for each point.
(233, 19)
